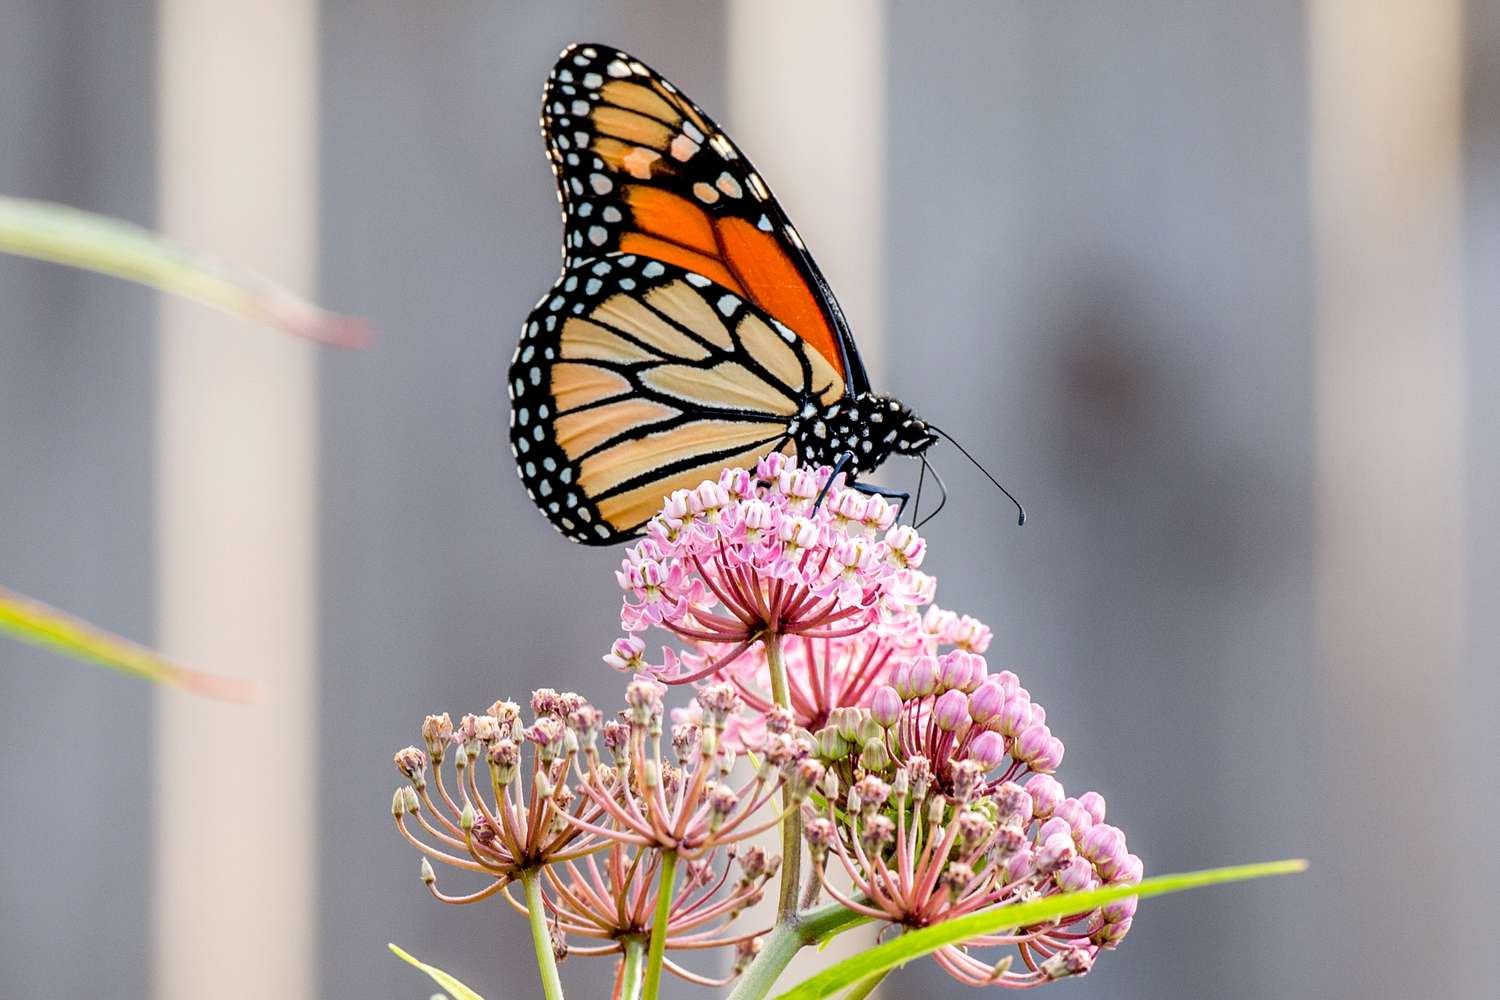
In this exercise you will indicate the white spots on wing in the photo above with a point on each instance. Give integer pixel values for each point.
(627, 284)
(639, 68)
(791, 234)
(575, 185)
(565, 75)
(683, 148)
(785, 331)
(612, 214)
(598, 235)
(653, 269)
(593, 286)
(691, 131)
(603, 266)
(697, 280)
(581, 140)
(758, 187)
(729, 185)
(638, 162)
(585, 209)
(571, 283)
(722, 146)
(728, 304)
(556, 303)
(580, 107)
(763, 224)
(617, 69)
(593, 81)
(601, 184)
(704, 193)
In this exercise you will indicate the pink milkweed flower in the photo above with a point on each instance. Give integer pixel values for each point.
(916, 857)
(742, 560)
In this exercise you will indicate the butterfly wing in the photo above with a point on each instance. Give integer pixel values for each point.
(641, 169)
(635, 377)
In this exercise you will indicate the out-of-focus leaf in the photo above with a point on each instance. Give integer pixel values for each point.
(443, 979)
(36, 623)
(915, 944)
(64, 235)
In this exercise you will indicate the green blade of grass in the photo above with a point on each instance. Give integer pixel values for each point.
(458, 990)
(41, 625)
(929, 939)
(48, 231)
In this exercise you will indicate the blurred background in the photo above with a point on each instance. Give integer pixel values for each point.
(1211, 286)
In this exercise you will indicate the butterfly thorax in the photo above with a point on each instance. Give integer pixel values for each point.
(869, 427)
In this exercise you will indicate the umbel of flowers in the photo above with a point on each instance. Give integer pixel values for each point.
(831, 699)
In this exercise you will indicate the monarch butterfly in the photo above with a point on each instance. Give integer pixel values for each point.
(690, 329)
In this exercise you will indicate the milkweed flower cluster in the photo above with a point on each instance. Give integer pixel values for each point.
(600, 827)
(938, 801)
(524, 817)
(831, 698)
(758, 554)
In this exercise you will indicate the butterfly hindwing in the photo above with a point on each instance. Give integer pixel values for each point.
(635, 377)
(641, 169)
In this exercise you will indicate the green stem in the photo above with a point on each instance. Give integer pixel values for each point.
(791, 826)
(630, 977)
(536, 912)
(659, 923)
(864, 987)
(785, 940)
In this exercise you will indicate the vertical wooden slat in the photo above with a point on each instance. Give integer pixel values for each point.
(235, 813)
(807, 104)
(1387, 135)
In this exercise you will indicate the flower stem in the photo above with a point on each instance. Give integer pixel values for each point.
(659, 924)
(791, 825)
(630, 977)
(785, 940)
(536, 911)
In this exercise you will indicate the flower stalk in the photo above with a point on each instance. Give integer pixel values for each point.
(791, 823)
(541, 937)
(659, 924)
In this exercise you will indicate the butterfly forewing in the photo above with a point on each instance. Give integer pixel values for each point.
(641, 169)
(636, 377)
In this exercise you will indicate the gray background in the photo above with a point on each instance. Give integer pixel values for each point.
(1099, 276)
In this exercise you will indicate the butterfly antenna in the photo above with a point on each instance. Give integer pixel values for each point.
(942, 492)
(1021, 511)
(838, 467)
(916, 503)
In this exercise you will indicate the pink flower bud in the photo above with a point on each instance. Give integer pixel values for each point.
(1015, 717)
(1129, 872)
(769, 468)
(1073, 962)
(1052, 828)
(1094, 803)
(1103, 845)
(988, 748)
(1046, 794)
(986, 702)
(971, 634)
(1109, 935)
(1075, 876)
(885, 707)
(951, 711)
(901, 680)
(924, 674)
(906, 546)
(1077, 816)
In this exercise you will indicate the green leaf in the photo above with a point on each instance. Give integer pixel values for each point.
(447, 982)
(48, 231)
(36, 623)
(929, 939)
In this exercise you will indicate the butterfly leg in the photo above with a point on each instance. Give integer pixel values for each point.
(838, 466)
(899, 496)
